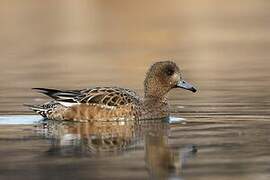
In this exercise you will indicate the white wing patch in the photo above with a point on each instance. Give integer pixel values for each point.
(68, 104)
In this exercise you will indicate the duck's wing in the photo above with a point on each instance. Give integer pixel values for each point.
(110, 96)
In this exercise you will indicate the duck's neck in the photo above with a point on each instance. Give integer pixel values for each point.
(155, 103)
(155, 107)
(155, 99)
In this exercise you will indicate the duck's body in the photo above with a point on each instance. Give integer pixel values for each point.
(113, 103)
(100, 103)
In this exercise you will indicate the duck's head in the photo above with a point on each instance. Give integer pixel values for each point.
(162, 77)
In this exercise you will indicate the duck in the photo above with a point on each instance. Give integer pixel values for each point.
(116, 103)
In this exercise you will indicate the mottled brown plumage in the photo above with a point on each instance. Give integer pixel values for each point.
(114, 103)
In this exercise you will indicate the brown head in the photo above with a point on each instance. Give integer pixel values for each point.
(162, 77)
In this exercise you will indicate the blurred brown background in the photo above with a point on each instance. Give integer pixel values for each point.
(222, 46)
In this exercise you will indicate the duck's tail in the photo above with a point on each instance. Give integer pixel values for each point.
(44, 109)
(39, 109)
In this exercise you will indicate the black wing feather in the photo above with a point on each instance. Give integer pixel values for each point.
(64, 96)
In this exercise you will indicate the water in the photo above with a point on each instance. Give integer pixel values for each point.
(222, 48)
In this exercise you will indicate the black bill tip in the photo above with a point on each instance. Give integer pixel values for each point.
(193, 89)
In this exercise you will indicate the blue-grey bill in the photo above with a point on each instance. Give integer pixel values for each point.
(185, 85)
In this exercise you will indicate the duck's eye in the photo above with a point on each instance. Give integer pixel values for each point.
(169, 72)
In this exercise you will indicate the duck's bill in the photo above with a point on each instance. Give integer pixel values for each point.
(185, 85)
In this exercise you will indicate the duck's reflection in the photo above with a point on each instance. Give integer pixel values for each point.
(69, 138)
(163, 161)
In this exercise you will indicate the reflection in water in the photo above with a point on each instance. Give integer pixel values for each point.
(91, 137)
(161, 160)
(156, 149)
(86, 139)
